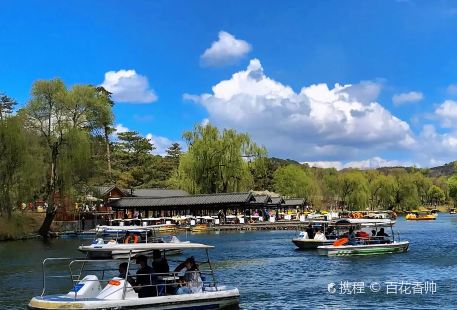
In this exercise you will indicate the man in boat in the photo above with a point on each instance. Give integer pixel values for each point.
(310, 231)
(123, 273)
(159, 263)
(382, 234)
(146, 280)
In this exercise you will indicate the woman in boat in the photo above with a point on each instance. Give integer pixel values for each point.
(192, 283)
(320, 235)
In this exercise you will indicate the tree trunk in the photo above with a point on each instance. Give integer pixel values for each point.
(51, 211)
(108, 153)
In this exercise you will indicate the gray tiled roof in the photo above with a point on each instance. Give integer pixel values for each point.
(197, 200)
(277, 200)
(261, 199)
(293, 202)
(142, 192)
(103, 190)
(158, 192)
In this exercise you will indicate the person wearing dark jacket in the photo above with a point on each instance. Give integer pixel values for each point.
(159, 263)
(146, 280)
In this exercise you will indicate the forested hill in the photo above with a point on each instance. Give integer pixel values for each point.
(443, 171)
(440, 171)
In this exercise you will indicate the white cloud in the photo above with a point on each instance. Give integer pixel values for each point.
(128, 86)
(121, 128)
(326, 164)
(410, 97)
(204, 122)
(317, 123)
(161, 144)
(452, 89)
(436, 148)
(226, 50)
(447, 114)
(372, 163)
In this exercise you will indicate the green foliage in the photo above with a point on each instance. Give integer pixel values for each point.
(293, 181)
(352, 188)
(452, 183)
(6, 105)
(217, 162)
(21, 167)
(436, 195)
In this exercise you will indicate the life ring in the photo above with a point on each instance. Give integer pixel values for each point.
(340, 242)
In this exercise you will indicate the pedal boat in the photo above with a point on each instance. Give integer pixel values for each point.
(88, 292)
(101, 248)
(421, 216)
(364, 249)
(364, 244)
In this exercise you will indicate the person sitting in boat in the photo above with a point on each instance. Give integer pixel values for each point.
(123, 273)
(146, 280)
(310, 231)
(191, 282)
(330, 233)
(159, 263)
(351, 237)
(373, 233)
(127, 237)
(320, 235)
(382, 233)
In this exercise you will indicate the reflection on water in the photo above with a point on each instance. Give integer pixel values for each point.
(271, 274)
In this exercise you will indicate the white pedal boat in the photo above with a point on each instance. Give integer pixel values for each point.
(91, 293)
(113, 249)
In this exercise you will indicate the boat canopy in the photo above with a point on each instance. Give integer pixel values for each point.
(144, 246)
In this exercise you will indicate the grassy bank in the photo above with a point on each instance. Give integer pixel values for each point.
(19, 226)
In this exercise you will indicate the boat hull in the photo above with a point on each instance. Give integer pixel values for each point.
(364, 250)
(310, 244)
(227, 299)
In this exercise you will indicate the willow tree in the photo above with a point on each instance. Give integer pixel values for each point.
(57, 115)
(352, 189)
(21, 168)
(452, 184)
(293, 181)
(217, 162)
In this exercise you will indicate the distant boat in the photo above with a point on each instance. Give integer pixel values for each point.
(421, 216)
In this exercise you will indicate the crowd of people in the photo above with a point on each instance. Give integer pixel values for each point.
(151, 280)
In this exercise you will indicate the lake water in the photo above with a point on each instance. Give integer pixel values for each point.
(271, 274)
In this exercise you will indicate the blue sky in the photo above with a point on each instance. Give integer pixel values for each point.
(270, 54)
